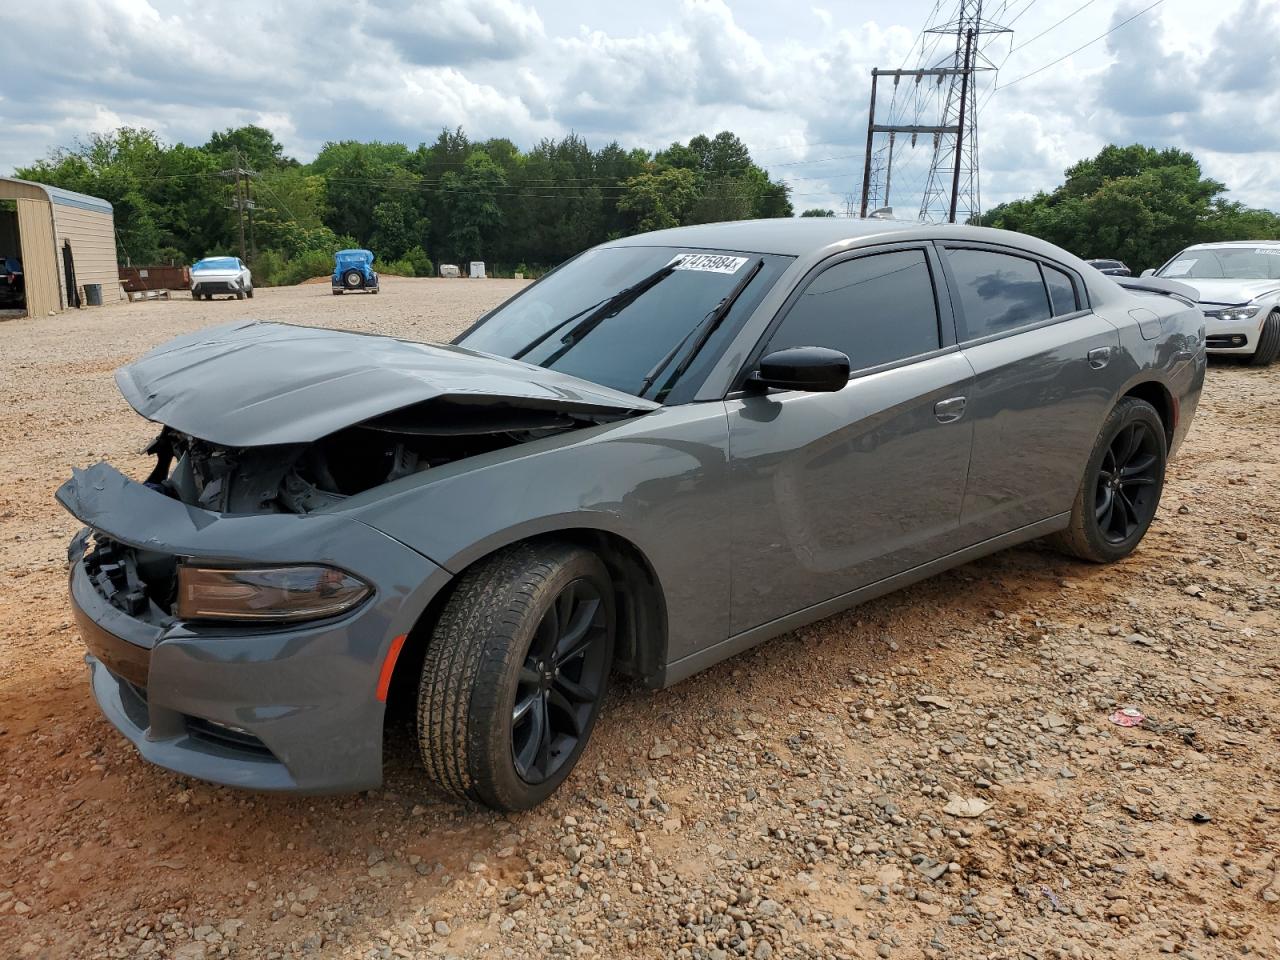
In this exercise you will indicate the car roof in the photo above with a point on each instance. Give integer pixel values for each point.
(803, 236)
(1234, 243)
(791, 236)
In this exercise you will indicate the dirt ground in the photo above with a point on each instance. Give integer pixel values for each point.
(932, 774)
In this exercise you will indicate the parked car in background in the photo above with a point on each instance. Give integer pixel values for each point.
(12, 287)
(353, 271)
(672, 448)
(1238, 286)
(216, 276)
(1112, 268)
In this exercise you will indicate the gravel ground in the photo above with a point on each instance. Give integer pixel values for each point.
(932, 774)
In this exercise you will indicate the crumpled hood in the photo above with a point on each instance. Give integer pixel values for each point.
(1232, 291)
(254, 384)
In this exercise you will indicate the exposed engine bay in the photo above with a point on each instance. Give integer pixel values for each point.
(306, 477)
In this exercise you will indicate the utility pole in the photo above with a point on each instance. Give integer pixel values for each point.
(964, 96)
(955, 156)
(954, 137)
(893, 129)
(242, 202)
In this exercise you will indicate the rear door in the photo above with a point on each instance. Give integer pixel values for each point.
(833, 491)
(1044, 380)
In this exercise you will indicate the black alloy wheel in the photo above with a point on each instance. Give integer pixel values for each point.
(1120, 491)
(515, 673)
(560, 682)
(1127, 491)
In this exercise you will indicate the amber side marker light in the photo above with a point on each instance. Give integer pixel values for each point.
(269, 594)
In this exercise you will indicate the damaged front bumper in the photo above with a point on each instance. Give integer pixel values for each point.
(291, 707)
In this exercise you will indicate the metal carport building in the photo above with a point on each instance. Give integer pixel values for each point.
(64, 239)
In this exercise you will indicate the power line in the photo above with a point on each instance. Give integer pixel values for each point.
(1053, 63)
(1082, 6)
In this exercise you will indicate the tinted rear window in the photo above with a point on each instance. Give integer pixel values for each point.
(998, 292)
(875, 309)
(1062, 292)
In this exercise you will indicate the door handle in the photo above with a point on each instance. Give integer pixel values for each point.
(949, 410)
(1099, 357)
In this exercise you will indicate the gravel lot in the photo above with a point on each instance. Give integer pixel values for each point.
(933, 774)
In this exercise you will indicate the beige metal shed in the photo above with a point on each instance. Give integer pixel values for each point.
(56, 229)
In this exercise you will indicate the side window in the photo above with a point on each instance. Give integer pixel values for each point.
(998, 292)
(1062, 292)
(876, 309)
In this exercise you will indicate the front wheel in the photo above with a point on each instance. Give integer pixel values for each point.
(240, 293)
(514, 674)
(1122, 485)
(1268, 341)
(249, 293)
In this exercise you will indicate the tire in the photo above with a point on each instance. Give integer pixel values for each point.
(487, 658)
(249, 293)
(353, 280)
(374, 289)
(1111, 514)
(239, 293)
(1268, 341)
(337, 293)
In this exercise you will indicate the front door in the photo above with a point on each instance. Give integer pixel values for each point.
(834, 491)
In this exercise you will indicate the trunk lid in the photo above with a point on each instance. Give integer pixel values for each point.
(257, 384)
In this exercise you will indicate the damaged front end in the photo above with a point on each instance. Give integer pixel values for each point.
(237, 618)
(303, 478)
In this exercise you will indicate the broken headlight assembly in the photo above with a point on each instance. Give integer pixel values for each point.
(267, 594)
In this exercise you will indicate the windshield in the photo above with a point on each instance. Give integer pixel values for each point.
(1225, 263)
(613, 315)
(217, 263)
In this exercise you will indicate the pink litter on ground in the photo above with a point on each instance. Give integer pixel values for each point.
(1127, 717)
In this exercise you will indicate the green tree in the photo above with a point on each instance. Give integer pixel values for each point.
(817, 212)
(256, 146)
(1136, 203)
(656, 201)
(469, 198)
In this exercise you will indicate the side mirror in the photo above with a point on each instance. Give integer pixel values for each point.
(812, 369)
(1149, 272)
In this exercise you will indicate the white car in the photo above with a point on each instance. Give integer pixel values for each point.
(226, 275)
(1239, 291)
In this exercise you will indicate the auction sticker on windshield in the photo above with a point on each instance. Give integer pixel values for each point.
(708, 262)
(1179, 267)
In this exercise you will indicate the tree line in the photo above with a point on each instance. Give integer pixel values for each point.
(1137, 204)
(452, 200)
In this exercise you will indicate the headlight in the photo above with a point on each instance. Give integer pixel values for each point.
(280, 594)
(1232, 313)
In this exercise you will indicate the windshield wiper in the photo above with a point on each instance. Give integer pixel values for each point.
(704, 329)
(595, 314)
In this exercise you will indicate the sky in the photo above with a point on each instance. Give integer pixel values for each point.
(791, 79)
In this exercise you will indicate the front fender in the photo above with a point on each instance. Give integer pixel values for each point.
(658, 481)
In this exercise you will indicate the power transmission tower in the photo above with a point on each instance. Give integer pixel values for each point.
(951, 187)
(952, 190)
(241, 201)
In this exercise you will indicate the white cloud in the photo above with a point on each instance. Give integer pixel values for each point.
(792, 83)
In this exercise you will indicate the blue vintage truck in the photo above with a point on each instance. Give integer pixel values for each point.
(353, 271)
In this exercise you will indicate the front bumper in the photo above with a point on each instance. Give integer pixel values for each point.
(291, 708)
(1233, 336)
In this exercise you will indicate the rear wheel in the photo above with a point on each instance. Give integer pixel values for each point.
(1122, 485)
(1268, 341)
(514, 675)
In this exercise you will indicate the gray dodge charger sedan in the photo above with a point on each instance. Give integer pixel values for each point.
(670, 449)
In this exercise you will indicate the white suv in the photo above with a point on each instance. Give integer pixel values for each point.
(226, 275)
